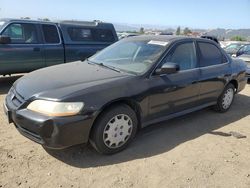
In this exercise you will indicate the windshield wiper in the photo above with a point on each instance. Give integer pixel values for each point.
(103, 65)
(108, 66)
(90, 62)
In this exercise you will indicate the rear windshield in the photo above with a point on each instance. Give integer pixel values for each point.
(86, 34)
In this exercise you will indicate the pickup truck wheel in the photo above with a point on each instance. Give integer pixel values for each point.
(114, 129)
(226, 99)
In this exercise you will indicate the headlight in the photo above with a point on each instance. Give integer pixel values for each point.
(51, 108)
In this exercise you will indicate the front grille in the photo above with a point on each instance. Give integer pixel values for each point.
(16, 99)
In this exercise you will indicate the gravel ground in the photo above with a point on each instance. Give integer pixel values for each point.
(196, 150)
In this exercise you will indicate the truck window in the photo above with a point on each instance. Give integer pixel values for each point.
(50, 33)
(210, 54)
(96, 35)
(80, 34)
(103, 35)
(21, 33)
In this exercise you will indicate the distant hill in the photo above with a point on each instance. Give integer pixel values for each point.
(220, 33)
(229, 33)
(136, 27)
(125, 27)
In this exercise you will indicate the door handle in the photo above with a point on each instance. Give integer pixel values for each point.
(36, 49)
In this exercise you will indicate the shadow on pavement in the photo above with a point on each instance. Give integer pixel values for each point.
(158, 138)
(7, 82)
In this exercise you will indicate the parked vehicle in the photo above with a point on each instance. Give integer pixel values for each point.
(166, 33)
(126, 35)
(211, 38)
(246, 57)
(233, 48)
(223, 44)
(245, 49)
(133, 83)
(27, 45)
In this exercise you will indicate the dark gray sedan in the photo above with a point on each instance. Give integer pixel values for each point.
(133, 83)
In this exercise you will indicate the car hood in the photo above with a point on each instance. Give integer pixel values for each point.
(245, 57)
(61, 80)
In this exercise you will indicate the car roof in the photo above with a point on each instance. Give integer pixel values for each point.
(166, 38)
(24, 20)
(65, 22)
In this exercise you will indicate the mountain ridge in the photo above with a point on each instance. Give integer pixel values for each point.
(218, 32)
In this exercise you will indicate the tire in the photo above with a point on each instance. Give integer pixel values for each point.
(114, 129)
(225, 101)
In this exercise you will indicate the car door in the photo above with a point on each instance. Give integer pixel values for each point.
(53, 46)
(172, 93)
(25, 52)
(215, 70)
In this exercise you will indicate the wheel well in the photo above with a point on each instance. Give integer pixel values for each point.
(128, 102)
(235, 83)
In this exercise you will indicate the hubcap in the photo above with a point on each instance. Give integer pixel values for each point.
(117, 131)
(228, 98)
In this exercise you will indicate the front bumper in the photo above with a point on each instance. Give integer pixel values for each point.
(51, 132)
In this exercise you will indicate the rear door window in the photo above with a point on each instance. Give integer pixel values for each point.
(95, 35)
(210, 54)
(50, 33)
(21, 33)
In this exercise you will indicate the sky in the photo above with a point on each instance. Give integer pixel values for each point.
(203, 14)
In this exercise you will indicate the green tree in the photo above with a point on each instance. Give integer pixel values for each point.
(178, 31)
(141, 30)
(187, 31)
(238, 38)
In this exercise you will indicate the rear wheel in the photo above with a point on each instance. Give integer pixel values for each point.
(114, 129)
(226, 99)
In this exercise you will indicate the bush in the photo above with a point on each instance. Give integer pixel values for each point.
(238, 38)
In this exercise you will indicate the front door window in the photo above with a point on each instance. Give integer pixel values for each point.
(21, 33)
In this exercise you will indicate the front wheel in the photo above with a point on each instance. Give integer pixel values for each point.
(226, 99)
(114, 129)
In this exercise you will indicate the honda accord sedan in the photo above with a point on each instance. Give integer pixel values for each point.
(108, 98)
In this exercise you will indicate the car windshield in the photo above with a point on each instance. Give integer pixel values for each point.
(131, 56)
(233, 47)
(244, 49)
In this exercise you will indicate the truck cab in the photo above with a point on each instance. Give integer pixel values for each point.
(27, 45)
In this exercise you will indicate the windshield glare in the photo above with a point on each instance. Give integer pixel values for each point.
(130, 56)
(1, 25)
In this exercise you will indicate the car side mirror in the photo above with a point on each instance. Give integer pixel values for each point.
(5, 39)
(168, 68)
